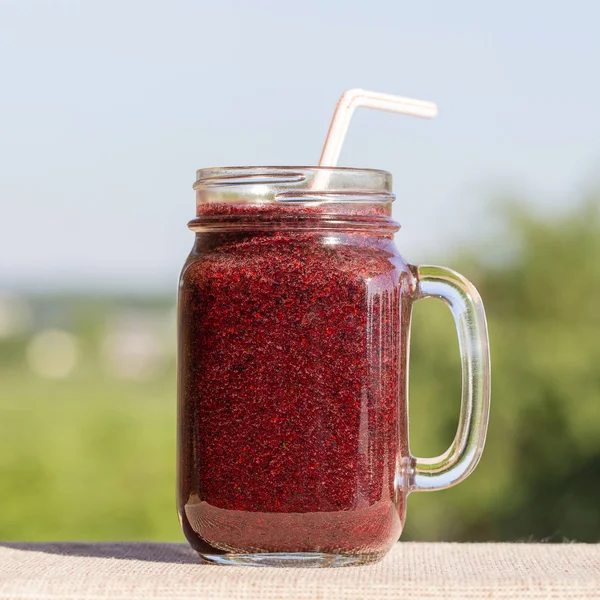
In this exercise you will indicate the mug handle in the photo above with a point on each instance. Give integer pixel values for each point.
(459, 460)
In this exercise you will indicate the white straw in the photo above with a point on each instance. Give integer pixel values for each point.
(347, 104)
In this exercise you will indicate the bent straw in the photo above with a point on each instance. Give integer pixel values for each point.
(347, 104)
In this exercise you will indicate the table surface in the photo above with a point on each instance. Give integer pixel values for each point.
(411, 570)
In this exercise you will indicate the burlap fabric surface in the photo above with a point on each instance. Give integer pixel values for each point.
(411, 570)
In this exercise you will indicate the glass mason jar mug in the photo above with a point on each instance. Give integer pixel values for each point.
(294, 323)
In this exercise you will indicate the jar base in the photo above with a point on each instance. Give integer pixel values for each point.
(309, 560)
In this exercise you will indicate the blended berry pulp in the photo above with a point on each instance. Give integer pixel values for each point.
(292, 375)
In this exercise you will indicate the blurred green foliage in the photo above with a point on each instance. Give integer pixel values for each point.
(91, 457)
(539, 477)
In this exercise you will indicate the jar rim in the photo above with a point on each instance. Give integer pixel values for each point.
(293, 197)
(370, 179)
(207, 171)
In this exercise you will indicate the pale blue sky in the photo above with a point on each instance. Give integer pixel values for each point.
(108, 107)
